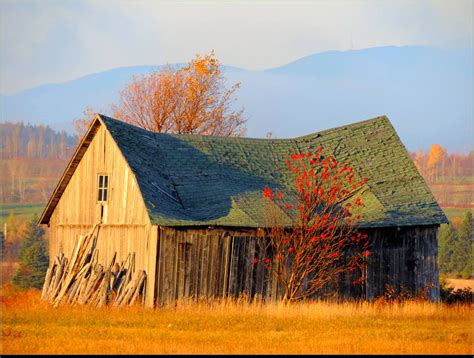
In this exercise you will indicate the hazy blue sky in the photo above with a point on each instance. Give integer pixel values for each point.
(45, 41)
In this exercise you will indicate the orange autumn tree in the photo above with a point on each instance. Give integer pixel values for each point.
(435, 155)
(82, 124)
(322, 241)
(188, 100)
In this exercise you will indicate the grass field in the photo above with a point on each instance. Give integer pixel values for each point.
(31, 326)
(459, 213)
(21, 211)
(458, 283)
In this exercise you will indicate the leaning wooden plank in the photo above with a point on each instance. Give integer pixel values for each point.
(102, 296)
(84, 251)
(47, 282)
(120, 292)
(87, 247)
(77, 284)
(126, 293)
(105, 289)
(118, 282)
(107, 283)
(131, 289)
(124, 281)
(78, 255)
(92, 285)
(95, 257)
(95, 294)
(84, 269)
(132, 264)
(75, 252)
(81, 285)
(80, 251)
(125, 262)
(112, 262)
(64, 288)
(58, 281)
(87, 277)
(67, 298)
(86, 282)
(56, 276)
(120, 296)
(139, 289)
(92, 300)
(67, 280)
(127, 276)
(135, 289)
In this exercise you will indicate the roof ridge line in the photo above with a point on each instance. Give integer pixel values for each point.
(176, 135)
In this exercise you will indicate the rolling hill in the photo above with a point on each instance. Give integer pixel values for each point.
(426, 92)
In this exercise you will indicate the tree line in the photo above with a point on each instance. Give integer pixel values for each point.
(34, 141)
(32, 158)
(439, 166)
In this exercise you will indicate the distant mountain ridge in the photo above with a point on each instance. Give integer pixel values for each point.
(426, 92)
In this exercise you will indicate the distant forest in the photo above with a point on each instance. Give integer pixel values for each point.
(439, 166)
(450, 176)
(33, 157)
(19, 140)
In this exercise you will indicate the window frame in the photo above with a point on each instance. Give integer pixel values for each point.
(103, 186)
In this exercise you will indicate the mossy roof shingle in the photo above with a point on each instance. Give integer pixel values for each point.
(189, 180)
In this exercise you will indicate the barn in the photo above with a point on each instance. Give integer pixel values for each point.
(190, 207)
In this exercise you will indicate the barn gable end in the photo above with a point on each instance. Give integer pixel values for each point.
(125, 224)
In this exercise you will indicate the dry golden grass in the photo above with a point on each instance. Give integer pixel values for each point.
(31, 326)
(458, 283)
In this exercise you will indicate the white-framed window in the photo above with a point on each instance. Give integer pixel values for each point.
(103, 187)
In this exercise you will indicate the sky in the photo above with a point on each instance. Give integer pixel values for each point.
(48, 41)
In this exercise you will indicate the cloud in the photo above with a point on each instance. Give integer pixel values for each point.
(50, 41)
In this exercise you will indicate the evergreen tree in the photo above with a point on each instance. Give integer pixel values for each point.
(462, 247)
(32, 234)
(465, 230)
(447, 237)
(466, 240)
(33, 258)
(467, 272)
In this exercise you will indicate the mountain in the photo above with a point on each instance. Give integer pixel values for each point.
(426, 92)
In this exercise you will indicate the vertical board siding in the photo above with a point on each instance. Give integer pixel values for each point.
(207, 263)
(405, 260)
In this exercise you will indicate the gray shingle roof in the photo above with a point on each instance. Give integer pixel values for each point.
(203, 180)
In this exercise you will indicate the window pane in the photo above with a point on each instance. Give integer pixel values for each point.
(106, 181)
(101, 178)
(105, 194)
(100, 195)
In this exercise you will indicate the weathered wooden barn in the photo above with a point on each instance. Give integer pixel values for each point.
(190, 207)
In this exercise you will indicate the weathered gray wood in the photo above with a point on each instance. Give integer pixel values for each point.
(221, 264)
(47, 282)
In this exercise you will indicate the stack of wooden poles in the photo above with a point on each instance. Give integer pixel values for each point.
(82, 280)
